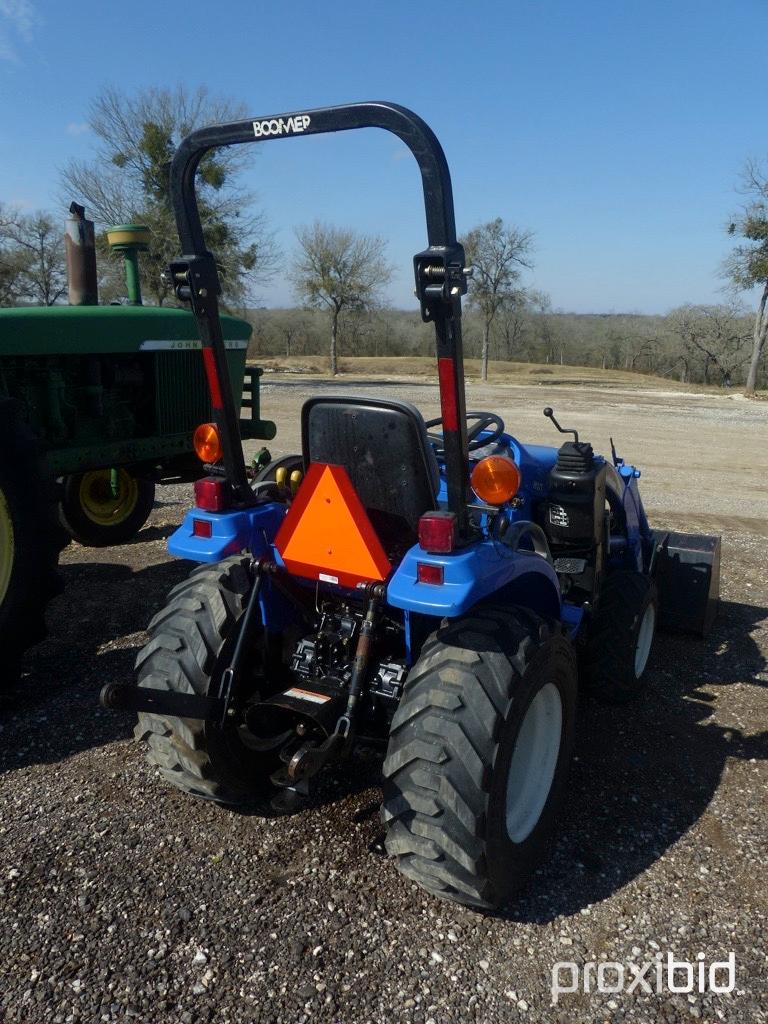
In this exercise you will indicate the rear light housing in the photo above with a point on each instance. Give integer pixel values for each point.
(210, 494)
(437, 532)
(426, 573)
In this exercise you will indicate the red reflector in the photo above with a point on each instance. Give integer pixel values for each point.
(202, 528)
(446, 372)
(429, 573)
(209, 362)
(210, 494)
(437, 532)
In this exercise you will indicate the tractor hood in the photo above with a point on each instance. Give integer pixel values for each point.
(62, 330)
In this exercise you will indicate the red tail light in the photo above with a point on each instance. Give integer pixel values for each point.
(210, 494)
(437, 532)
(426, 573)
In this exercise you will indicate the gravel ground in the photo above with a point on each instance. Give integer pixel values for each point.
(123, 900)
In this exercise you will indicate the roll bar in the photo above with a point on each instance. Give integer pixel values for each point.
(441, 278)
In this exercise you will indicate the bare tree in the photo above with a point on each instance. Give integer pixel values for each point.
(747, 266)
(497, 251)
(290, 326)
(512, 318)
(12, 264)
(717, 336)
(340, 271)
(127, 181)
(32, 256)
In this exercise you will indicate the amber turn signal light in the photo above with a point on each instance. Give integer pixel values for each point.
(496, 479)
(207, 444)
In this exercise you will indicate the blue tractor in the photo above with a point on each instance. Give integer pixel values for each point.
(441, 590)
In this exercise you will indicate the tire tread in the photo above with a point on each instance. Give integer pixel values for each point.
(443, 741)
(186, 637)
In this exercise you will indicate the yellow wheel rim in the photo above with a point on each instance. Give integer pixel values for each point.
(6, 547)
(98, 502)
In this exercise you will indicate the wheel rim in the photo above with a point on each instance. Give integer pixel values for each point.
(533, 763)
(644, 640)
(98, 502)
(7, 547)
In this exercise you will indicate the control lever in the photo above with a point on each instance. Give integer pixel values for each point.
(563, 430)
(616, 460)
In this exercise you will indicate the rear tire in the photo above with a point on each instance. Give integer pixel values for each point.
(96, 518)
(191, 644)
(478, 755)
(620, 637)
(30, 541)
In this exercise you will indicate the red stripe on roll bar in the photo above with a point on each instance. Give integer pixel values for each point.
(446, 371)
(209, 361)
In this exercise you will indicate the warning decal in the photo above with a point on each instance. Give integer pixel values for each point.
(299, 694)
(327, 534)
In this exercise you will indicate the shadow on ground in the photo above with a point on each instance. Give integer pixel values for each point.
(95, 630)
(153, 533)
(645, 774)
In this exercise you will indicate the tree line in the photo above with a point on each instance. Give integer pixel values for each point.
(691, 344)
(340, 277)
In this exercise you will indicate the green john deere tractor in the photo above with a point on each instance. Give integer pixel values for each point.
(98, 404)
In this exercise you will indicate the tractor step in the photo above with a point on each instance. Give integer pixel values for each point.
(570, 566)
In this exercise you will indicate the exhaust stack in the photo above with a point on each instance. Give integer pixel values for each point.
(81, 259)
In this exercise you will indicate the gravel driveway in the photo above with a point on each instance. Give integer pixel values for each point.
(123, 900)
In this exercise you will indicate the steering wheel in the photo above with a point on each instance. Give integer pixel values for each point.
(485, 420)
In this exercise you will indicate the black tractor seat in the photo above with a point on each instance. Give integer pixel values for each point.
(382, 444)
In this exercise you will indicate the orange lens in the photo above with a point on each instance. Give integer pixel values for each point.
(495, 479)
(206, 443)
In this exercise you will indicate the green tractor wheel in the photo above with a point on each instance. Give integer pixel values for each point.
(30, 541)
(105, 506)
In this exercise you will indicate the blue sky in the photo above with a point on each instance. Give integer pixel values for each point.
(615, 131)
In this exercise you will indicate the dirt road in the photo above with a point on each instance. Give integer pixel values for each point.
(122, 900)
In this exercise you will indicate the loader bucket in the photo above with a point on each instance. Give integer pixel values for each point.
(688, 579)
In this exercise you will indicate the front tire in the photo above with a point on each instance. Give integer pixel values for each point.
(620, 637)
(95, 516)
(191, 644)
(478, 755)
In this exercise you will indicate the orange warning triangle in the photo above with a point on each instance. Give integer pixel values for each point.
(327, 534)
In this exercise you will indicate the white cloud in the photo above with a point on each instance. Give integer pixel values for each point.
(20, 14)
(17, 22)
(78, 128)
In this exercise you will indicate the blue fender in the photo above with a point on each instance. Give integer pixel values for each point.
(251, 530)
(487, 569)
(623, 482)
